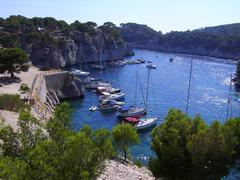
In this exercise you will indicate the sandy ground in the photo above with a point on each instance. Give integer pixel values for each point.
(116, 170)
(9, 86)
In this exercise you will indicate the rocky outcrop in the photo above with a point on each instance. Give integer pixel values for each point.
(61, 49)
(118, 170)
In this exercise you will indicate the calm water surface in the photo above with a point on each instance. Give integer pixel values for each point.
(167, 89)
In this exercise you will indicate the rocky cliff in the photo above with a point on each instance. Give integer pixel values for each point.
(60, 49)
(54, 43)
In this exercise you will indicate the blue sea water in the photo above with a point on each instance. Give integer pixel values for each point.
(167, 89)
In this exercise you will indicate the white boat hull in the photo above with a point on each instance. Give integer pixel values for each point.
(146, 123)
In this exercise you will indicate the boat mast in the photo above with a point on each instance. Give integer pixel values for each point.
(229, 94)
(146, 105)
(189, 85)
(140, 84)
(135, 98)
(101, 58)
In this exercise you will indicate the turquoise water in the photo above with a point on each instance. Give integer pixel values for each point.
(168, 89)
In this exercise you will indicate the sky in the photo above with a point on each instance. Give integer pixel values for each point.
(161, 15)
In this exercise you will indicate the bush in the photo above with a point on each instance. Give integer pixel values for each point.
(188, 148)
(24, 88)
(138, 163)
(11, 102)
(57, 153)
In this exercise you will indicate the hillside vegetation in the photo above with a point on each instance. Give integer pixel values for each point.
(220, 41)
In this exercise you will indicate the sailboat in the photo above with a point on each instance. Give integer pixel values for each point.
(80, 72)
(132, 111)
(145, 123)
(170, 58)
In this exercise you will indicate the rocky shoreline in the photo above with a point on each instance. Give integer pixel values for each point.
(118, 170)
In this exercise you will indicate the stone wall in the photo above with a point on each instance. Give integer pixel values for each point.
(55, 81)
(49, 87)
(64, 84)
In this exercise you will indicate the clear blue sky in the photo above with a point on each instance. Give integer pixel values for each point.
(164, 15)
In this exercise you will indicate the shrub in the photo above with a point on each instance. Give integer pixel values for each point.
(11, 102)
(24, 88)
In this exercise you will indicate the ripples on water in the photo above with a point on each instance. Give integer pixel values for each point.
(168, 89)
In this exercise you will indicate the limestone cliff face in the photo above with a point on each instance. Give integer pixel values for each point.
(60, 49)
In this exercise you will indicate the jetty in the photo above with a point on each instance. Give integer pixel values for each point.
(48, 88)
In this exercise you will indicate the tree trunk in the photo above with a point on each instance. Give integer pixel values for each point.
(12, 75)
(125, 154)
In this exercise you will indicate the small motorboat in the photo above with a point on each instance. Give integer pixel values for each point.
(145, 123)
(108, 107)
(131, 120)
(119, 63)
(78, 72)
(170, 59)
(151, 66)
(108, 96)
(133, 62)
(132, 111)
(108, 89)
(113, 102)
(141, 61)
(100, 67)
(93, 108)
(92, 85)
(95, 84)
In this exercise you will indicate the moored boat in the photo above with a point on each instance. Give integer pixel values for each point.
(131, 120)
(113, 102)
(141, 61)
(151, 66)
(95, 66)
(132, 111)
(108, 89)
(78, 72)
(108, 96)
(145, 123)
(93, 108)
(108, 107)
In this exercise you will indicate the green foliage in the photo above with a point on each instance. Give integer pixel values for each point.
(138, 163)
(13, 60)
(9, 40)
(124, 136)
(91, 24)
(18, 24)
(24, 88)
(189, 149)
(11, 102)
(58, 153)
(88, 27)
(223, 40)
(111, 29)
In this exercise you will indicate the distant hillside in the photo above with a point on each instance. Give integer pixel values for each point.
(220, 41)
(223, 30)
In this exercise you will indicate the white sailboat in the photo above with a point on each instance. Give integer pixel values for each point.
(132, 111)
(145, 123)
